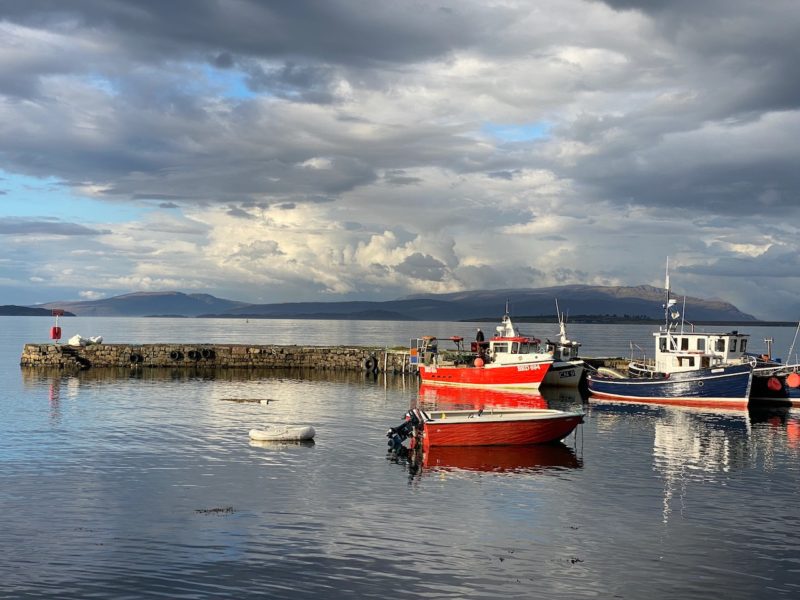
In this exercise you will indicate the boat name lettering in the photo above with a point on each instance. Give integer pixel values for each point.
(528, 367)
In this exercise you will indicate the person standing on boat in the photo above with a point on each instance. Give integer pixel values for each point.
(479, 335)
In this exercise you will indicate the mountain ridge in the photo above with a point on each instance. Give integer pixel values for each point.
(641, 302)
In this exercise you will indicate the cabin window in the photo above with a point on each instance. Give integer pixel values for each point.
(684, 343)
(720, 347)
(501, 347)
(733, 345)
(524, 348)
(701, 344)
(686, 361)
(743, 345)
(662, 344)
(515, 348)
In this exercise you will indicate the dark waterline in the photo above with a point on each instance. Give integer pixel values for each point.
(144, 484)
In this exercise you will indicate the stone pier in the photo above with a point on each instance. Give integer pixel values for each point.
(329, 358)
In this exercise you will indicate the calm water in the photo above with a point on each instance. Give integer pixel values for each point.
(144, 485)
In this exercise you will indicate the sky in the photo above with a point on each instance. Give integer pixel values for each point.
(279, 151)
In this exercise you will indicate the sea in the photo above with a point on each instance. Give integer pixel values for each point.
(140, 483)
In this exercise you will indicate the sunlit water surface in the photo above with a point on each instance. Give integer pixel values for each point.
(139, 484)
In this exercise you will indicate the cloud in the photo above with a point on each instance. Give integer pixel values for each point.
(16, 226)
(352, 149)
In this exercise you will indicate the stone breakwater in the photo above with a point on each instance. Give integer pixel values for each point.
(330, 358)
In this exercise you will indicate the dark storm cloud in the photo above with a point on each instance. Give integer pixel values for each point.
(343, 31)
(423, 267)
(16, 226)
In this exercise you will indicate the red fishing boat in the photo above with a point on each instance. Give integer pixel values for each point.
(506, 360)
(496, 427)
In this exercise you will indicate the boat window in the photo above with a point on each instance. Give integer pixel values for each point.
(701, 344)
(501, 347)
(662, 343)
(524, 348)
(684, 343)
(733, 345)
(515, 348)
(720, 345)
(743, 345)
(686, 361)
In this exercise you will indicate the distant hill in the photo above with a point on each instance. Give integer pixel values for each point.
(141, 304)
(10, 310)
(610, 303)
(642, 302)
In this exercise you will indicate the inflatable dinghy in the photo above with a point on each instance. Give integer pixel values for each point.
(283, 433)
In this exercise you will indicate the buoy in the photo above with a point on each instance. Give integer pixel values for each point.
(55, 333)
(478, 362)
(793, 380)
(774, 384)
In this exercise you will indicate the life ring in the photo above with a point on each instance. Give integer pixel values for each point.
(371, 364)
(176, 355)
(135, 358)
(193, 354)
(207, 353)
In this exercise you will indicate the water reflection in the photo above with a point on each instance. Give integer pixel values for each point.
(487, 459)
(435, 397)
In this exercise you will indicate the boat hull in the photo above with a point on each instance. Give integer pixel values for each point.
(723, 386)
(523, 375)
(564, 374)
(499, 429)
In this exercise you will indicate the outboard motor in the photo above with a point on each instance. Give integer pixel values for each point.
(407, 429)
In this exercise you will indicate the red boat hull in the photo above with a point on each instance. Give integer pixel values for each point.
(440, 432)
(526, 375)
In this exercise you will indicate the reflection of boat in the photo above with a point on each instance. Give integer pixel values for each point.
(567, 369)
(690, 368)
(433, 397)
(497, 427)
(506, 360)
(501, 458)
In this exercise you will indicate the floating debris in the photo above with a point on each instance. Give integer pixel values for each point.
(251, 400)
(225, 510)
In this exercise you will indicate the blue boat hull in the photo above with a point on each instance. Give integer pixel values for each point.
(725, 386)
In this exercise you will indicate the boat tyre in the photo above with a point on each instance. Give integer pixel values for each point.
(135, 358)
(193, 355)
(176, 355)
(371, 364)
(207, 353)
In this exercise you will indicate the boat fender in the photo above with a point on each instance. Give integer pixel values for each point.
(176, 355)
(793, 380)
(371, 364)
(135, 358)
(193, 355)
(207, 353)
(774, 384)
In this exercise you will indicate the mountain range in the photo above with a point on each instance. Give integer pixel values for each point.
(637, 302)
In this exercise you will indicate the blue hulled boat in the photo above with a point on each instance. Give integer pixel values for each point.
(690, 368)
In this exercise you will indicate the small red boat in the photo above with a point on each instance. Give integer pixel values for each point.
(497, 427)
(507, 360)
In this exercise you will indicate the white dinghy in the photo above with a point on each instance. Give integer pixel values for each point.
(283, 433)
